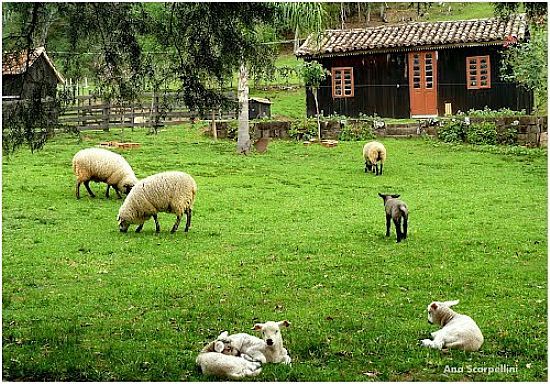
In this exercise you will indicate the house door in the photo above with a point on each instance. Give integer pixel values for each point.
(423, 83)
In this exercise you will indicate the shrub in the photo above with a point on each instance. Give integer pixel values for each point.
(482, 133)
(452, 131)
(303, 129)
(356, 131)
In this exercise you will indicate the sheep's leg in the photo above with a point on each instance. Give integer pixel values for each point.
(176, 224)
(107, 191)
(78, 189)
(366, 167)
(388, 224)
(381, 166)
(188, 213)
(405, 226)
(87, 185)
(117, 191)
(376, 169)
(157, 225)
(139, 228)
(397, 223)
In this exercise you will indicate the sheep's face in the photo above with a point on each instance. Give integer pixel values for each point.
(369, 167)
(127, 188)
(123, 225)
(436, 310)
(225, 348)
(271, 331)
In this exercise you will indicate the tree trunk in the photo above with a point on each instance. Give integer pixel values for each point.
(296, 39)
(214, 129)
(243, 138)
(314, 91)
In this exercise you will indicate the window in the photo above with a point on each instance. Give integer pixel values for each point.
(342, 82)
(478, 72)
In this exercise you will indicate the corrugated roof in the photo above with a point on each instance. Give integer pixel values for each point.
(414, 35)
(17, 63)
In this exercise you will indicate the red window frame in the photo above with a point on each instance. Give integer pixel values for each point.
(478, 72)
(342, 82)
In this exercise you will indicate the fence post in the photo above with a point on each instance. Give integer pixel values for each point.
(105, 115)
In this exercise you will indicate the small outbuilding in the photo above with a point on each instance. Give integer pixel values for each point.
(25, 76)
(259, 108)
(417, 69)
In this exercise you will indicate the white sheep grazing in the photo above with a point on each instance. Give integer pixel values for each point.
(457, 331)
(221, 360)
(374, 154)
(101, 165)
(171, 191)
(268, 350)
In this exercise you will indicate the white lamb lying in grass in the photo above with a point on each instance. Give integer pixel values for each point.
(457, 331)
(268, 350)
(220, 359)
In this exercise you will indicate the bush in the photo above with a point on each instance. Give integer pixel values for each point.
(482, 133)
(356, 131)
(303, 129)
(452, 132)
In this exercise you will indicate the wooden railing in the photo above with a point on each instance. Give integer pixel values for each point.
(91, 113)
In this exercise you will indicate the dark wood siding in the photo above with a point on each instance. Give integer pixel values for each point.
(452, 83)
(382, 88)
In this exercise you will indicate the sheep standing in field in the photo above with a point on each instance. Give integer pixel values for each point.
(222, 360)
(172, 192)
(268, 350)
(397, 211)
(101, 165)
(457, 331)
(374, 154)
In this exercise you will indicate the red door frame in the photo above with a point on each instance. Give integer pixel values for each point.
(423, 83)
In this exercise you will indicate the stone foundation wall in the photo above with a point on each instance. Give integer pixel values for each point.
(531, 131)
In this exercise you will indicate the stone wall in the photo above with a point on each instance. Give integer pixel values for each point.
(532, 131)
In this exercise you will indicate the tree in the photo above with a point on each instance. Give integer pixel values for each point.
(198, 44)
(527, 62)
(313, 74)
(301, 17)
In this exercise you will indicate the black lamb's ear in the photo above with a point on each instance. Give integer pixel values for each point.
(381, 195)
(395, 196)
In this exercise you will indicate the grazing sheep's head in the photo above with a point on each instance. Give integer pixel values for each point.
(437, 308)
(271, 331)
(123, 225)
(127, 188)
(369, 166)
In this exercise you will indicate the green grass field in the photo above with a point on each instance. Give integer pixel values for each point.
(297, 234)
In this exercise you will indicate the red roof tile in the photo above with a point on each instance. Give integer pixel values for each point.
(415, 34)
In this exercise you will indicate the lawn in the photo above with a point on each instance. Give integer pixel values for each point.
(297, 234)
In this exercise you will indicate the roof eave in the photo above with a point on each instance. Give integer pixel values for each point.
(399, 49)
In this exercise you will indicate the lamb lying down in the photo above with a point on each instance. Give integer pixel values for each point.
(221, 360)
(268, 350)
(457, 331)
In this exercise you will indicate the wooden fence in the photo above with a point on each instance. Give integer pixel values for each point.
(91, 113)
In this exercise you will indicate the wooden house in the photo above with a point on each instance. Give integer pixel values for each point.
(417, 69)
(26, 76)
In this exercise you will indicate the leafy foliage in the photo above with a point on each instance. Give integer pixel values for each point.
(527, 63)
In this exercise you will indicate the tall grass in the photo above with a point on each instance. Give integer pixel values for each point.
(296, 234)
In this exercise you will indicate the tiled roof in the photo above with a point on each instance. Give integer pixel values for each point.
(16, 63)
(414, 35)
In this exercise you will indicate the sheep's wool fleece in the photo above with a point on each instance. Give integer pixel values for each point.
(374, 151)
(98, 164)
(171, 192)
